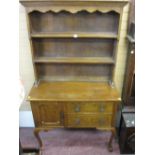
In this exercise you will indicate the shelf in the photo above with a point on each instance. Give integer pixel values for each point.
(77, 60)
(73, 79)
(74, 72)
(75, 0)
(75, 35)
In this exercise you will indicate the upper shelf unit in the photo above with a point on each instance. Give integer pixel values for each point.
(66, 24)
(75, 40)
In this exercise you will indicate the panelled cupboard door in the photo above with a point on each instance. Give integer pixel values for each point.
(46, 113)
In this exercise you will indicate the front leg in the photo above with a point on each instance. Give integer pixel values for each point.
(113, 133)
(36, 133)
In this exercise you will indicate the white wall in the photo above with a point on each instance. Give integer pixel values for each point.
(25, 61)
(26, 119)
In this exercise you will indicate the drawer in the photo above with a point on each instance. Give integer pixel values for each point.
(87, 120)
(89, 107)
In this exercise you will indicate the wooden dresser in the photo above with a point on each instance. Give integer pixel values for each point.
(74, 47)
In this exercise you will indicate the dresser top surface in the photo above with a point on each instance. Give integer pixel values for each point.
(73, 91)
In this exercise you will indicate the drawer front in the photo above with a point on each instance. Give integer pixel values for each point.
(89, 107)
(77, 121)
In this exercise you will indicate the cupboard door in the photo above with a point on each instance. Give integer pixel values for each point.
(46, 113)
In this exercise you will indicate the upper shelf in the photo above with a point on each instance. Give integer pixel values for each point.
(68, 24)
(74, 35)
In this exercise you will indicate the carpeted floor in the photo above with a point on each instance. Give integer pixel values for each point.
(70, 142)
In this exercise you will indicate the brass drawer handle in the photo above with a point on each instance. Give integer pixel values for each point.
(75, 35)
(77, 121)
(101, 108)
(77, 108)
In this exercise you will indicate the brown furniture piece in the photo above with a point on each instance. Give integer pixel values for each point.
(127, 133)
(127, 125)
(129, 82)
(27, 142)
(74, 46)
(128, 94)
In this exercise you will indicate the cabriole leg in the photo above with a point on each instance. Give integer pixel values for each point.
(110, 147)
(36, 133)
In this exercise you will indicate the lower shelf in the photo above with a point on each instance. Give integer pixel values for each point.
(77, 60)
(74, 72)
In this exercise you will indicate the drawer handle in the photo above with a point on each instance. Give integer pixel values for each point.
(101, 122)
(77, 108)
(61, 117)
(101, 108)
(50, 123)
(77, 121)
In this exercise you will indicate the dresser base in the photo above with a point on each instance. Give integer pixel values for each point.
(76, 105)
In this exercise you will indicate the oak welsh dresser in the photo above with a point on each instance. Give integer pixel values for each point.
(74, 47)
